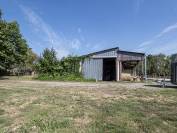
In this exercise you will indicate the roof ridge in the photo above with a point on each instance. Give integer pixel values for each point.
(102, 51)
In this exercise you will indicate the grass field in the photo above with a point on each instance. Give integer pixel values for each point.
(34, 106)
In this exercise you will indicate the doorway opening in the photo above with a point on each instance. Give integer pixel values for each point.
(109, 69)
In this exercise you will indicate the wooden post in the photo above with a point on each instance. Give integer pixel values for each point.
(145, 65)
(117, 70)
(80, 66)
(142, 66)
(120, 71)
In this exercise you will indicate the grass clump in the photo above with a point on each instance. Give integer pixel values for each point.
(45, 125)
(2, 111)
(135, 116)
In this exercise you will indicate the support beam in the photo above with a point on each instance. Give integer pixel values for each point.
(80, 66)
(120, 69)
(142, 67)
(145, 67)
(134, 71)
(117, 70)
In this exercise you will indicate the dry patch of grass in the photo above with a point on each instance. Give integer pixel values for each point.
(86, 107)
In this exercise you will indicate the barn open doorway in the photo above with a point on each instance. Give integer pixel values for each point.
(109, 69)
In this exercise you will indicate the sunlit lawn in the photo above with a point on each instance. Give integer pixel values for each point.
(41, 107)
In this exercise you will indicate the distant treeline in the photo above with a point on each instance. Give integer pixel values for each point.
(160, 65)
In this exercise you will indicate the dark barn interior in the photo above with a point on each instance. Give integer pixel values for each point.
(109, 69)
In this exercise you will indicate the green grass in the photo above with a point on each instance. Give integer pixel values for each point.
(29, 107)
(17, 77)
(45, 77)
(69, 77)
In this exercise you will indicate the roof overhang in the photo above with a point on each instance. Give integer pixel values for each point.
(116, 53)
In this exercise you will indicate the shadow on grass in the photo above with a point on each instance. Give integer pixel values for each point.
(3, 78)
(166, 86)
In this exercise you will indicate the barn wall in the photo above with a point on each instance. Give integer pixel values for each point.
(174, 73)
(92, 68)
(107, 54)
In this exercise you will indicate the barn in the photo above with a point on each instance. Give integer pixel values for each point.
(110, 64)
(174, 72)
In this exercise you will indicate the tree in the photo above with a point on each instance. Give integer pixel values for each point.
(158, 65)
(48, 63)
(0, 14)
(70, 64)
(173, 57)
(151, 67)
(13, 47)
(31, 59)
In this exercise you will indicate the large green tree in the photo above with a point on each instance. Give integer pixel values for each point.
(13, 48)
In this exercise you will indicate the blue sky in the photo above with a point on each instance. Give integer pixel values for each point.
(83, 26)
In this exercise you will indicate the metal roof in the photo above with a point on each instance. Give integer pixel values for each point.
(102, 51)
(112, 49)
(130, 52)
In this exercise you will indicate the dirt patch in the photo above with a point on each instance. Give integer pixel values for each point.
(82, 121)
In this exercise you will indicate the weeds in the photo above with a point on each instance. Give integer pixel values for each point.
(68, 77)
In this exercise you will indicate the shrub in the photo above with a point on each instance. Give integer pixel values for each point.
(49, 67)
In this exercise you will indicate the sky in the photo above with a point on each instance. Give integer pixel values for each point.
(78, 27)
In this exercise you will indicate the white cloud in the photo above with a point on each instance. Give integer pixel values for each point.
(48, 34)
(152, 45)
(75, 44)
(145, 43)
(166, 48)
(167, 30)
(138, 4)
